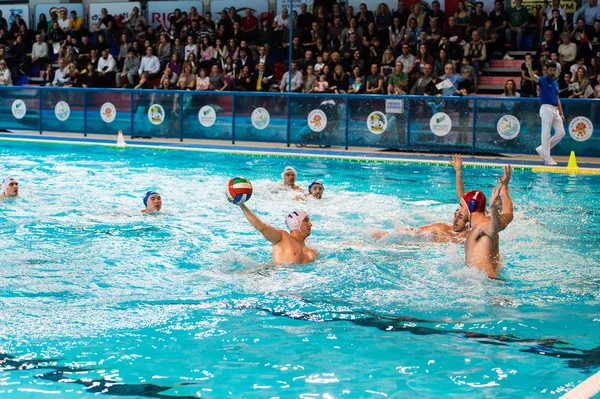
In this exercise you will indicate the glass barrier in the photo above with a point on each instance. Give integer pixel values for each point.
(62, 110)
(207, 115)
(440, 124)
(318, 121)
(471, 124)
(260, 118)
(377, 122)
(107, 112)
(156, 114)
(20, 109)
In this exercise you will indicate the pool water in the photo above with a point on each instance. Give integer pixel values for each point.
(186, 303)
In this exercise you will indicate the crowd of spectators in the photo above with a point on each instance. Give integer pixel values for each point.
(407, 51)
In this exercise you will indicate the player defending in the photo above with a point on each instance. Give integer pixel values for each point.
(483, 242)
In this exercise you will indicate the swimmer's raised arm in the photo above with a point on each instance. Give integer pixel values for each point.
(495, 226)
(269, 232)
(507, 207)
(460, 187)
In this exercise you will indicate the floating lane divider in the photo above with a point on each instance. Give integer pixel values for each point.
(587, 389)
(571, 169)
(404, 159)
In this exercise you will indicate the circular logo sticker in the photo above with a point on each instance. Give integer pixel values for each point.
(19, 109)
(508, 127)
(207, 116)
(260, 118)
(62, 111)
(156, 114)
(581, 128)
(317, 120)
(440, 124)
(377, 122)
(108, 112)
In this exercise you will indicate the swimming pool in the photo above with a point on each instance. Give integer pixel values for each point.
(143, 303)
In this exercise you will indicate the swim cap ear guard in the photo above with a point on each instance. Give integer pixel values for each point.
(294, 219)
(315, 183)
(475, 201)
(147, 196)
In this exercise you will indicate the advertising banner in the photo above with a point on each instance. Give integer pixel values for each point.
(9, 11)
(49, 8)
(259, 6)
(159, 11)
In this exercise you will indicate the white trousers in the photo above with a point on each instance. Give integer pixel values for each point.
(550, 119)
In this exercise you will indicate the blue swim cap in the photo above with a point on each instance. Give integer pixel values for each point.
(315, 183)
(148, 195)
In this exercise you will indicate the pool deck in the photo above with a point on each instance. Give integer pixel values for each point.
(586, 165)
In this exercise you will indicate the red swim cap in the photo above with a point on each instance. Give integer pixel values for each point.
(475, 201)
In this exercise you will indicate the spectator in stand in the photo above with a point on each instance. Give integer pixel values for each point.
(550, 14)
(306, 61)
(224, 26)
(266, 35)
(310, 80)
(468, 72)
(249, 25)
(397, 82)
(101, 44)
(401, 13)
(297, 50)
(178, 48)
(357, 61)
(165, 84)
(407, 59)
(5, 75)
(419, 16)
(260, 79)
(75, 24)
(135, 23)
(147, 35)
(453, 78)
(594, 72)
(567, 51)
(233, 15)
(396, 36)
(191, 47)
(281, 23)
(217, 80)
(175, 64)
(334, 34)
(206, 32)
(556, 23)
(510, 89)
(245, 60)
(575, 67)
(434, 32)
(547, 47)
(61, 76)
(595, 38)
(477, 51)
(439, 65)
(319, 65)
(3, 22)
(107, 70)
(356, 83)
(371, 32)
(383, 20)
(375, 52)
(194, 15)
(105, 26)
(582, 84)
(478, 17)
(518, 19)
(189, 75)
(455, 37)
(123, 49)
(580, 36)
(16, 26)
(202, 81)
(40, 55)
(322, 85)
(462, 17)
(243, 80)
(63, 20)
(17, 55)
(296, 80)
(364, 16)
(228, 67)
(94, 58)
(209, 22)
(150, 64)
(352, 29)
(339, 80)
(84, 50)
(42, 25)
(589, 12)
(145, 82)
(76, 80)
(499, 19)
(424, 85)
(375, 81)
(490, 38)
(130, 71)
(164, 50)
(528, 85)
(269, 68)
(48, 76)
(387, 63)
(321, 17)
(56, 34)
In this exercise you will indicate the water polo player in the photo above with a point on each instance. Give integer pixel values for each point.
(10, 187)
(152, 202)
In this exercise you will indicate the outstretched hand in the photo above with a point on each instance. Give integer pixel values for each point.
(506, 178)
(495, 195)
(456, 162)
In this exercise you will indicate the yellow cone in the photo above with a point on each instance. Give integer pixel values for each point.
(572, 166)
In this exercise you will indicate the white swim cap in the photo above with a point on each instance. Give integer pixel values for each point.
(6, 182)
(294, 219)
(288, 169)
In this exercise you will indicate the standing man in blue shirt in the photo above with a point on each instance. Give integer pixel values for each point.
(590, 12)
(551, 112)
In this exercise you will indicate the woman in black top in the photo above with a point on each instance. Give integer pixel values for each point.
(42, 25)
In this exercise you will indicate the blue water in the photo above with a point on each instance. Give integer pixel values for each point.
(140, 305)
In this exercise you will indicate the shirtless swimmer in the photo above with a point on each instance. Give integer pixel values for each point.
(288, 248)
